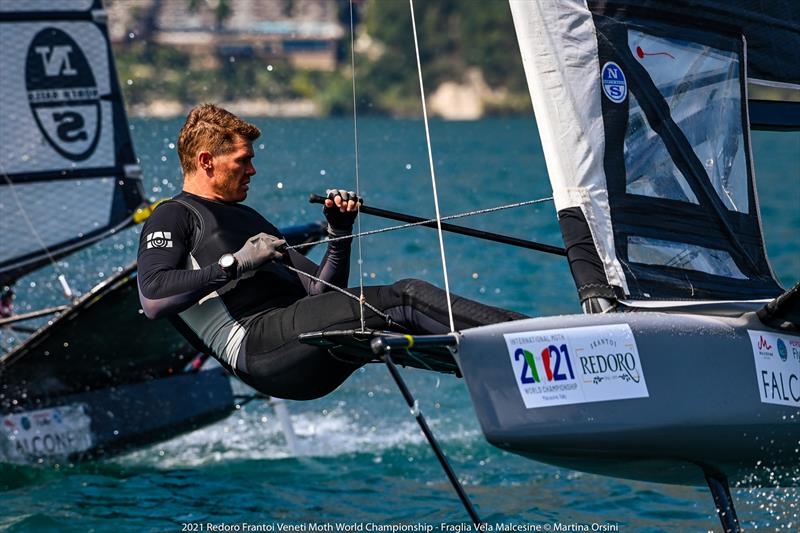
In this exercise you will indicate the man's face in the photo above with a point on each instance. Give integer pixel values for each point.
(232, 172)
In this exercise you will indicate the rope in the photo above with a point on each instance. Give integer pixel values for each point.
(361, 301)
(422, 222)
(28, 221)
(433, 172)
(358, 185)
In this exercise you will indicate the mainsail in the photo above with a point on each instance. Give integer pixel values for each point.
(68, 173)
(643, 114)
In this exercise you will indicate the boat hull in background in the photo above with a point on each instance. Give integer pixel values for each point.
(100, 377)
(110, 420)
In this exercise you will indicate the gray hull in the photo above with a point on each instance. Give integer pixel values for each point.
(705, 406)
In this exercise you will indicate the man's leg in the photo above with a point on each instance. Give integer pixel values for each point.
(422, 308)
(279, 365)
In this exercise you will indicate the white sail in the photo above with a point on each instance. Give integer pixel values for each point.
(562, 77)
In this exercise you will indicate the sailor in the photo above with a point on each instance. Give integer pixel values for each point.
(6, 302)
(224, 271)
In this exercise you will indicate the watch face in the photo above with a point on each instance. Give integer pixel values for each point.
(226, 261)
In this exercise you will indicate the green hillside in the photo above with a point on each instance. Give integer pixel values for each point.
(456, 37)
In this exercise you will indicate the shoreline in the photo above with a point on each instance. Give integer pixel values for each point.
(472, 100)
(169, 109)
(259, 108)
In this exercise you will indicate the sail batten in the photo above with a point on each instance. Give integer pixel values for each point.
(67, 171)
(644, 122)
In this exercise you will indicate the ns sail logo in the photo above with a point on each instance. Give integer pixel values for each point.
(63, 94)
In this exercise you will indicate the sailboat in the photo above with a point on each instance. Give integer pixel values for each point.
(685, 365)
(96, 377)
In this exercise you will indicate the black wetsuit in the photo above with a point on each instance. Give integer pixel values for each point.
(251, 324)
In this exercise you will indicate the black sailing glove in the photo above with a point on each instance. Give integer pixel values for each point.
(258, 249)
(340, 223)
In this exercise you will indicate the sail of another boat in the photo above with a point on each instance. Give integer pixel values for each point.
(68, 173)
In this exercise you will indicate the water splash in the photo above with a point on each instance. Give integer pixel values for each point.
(255, 434)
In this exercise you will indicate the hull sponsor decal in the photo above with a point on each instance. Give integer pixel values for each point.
(576, 365)
(56, 432)
(777, 358)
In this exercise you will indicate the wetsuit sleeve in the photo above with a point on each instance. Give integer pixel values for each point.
(165, 286)
(334, 267)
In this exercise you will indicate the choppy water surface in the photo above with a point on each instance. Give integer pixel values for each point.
(363, 458)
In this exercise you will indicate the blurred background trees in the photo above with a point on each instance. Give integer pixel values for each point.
(190, 51)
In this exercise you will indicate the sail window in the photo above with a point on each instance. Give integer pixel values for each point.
(649, 168)
(684, 256)
(701, 86)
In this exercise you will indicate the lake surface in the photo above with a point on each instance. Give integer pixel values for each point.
(364, 460)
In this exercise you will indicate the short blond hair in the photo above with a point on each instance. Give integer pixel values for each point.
(211, 128)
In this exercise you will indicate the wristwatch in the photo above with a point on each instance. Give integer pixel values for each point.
(229, 265)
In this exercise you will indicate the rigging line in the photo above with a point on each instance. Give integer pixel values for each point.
(362, 300)
(28, 221)
(433, 172)
(358, 184)
(421, 222)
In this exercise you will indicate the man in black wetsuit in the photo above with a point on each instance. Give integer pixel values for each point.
(223, 269)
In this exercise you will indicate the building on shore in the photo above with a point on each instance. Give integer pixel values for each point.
(302, 32)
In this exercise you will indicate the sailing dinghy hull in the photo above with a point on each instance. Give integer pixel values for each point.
(646, 395)
(100, 378)
(82, 387)
(107, 421)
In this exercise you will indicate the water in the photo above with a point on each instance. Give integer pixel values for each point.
(364, 460)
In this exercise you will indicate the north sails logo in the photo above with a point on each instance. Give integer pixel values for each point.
(159, 239)
(63, 94)
(615, 87)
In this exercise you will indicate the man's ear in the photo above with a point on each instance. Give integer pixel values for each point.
(205, 161)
